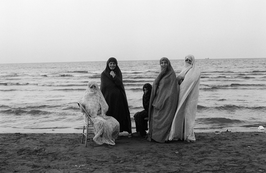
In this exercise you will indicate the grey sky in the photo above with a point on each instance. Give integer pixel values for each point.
(87, 30)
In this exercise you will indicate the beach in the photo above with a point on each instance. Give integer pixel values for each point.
(63, 152)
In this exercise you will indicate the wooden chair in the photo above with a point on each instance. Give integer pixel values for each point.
(85, 131)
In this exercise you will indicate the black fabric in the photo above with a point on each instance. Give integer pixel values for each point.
(146, 97)
(115, 96)
(141, 122)
(142, 116)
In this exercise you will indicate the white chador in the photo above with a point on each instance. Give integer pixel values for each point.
(106, 128)
(182, 127)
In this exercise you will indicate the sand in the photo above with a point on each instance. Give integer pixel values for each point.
(60, 152)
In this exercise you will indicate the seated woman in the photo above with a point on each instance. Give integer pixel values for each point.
(183, 123)
(106, 128)
(141, 118)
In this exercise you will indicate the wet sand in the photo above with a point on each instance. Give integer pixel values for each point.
(61, 152)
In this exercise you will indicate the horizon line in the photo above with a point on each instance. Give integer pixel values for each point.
(218, 58)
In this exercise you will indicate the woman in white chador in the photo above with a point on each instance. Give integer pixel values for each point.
(106, 128)
(182, 127)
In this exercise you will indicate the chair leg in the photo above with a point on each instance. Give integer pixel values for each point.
(82, 139)
(86, 138)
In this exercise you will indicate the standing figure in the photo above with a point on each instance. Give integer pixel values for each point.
(106, 129)
(114, 93)
(163, 102)
(141, 118)
(183, 123)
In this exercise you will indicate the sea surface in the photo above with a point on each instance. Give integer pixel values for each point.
(42, 97)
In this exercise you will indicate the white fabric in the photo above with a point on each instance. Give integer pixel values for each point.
(182, 127)
(106, 128)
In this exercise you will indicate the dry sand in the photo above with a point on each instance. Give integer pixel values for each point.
(225, 152)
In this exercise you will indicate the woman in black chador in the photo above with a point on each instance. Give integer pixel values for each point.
(114, 93)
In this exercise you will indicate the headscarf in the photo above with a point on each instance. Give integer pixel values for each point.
(93, 89)
(164, 71)
(117, 71)
(146, 96)
(187, 66)
(148, 87)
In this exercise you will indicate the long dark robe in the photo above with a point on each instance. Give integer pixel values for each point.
(163, 104)
(115, 96)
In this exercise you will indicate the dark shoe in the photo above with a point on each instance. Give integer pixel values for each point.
(143, 134)
(136, 134)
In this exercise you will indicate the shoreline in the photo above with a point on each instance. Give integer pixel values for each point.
(79, 130)
(63, 152)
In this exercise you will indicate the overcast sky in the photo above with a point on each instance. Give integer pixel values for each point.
(89, 30)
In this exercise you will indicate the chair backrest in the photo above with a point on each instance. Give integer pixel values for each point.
(87, 116)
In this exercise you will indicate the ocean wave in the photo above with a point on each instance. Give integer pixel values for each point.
(41, 107)
(10, 75)
(70, 89)
(136, 81)
(95, 76)
(134, 84)
(8, 90)
(19, 111)
(245, 77)
(144, 77)
(256, 71)
(230, 86)
(232, 107)
(221, 99)
(211, 72)
(200, 107)
(52, 127)
(78, 71)
(218, 120)
(65, 75)
(13, 83)
(61, 85)
(238, 84)
(136, 88)
(71, 108)
(133, 72)
(4, 106)
(227, 77)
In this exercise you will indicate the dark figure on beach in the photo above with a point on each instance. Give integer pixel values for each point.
(184, 120)
(141, 118)
(163, 102)
(113, 90)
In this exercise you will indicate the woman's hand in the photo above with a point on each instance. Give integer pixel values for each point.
(112, 73)
(179, 79)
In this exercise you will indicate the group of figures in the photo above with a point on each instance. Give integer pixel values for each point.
(170, 104)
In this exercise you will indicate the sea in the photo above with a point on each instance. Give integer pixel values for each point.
(42, 97)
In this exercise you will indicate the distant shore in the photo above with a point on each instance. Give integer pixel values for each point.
(63, 152)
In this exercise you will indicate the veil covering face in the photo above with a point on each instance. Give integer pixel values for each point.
(182, 127)
(187, 66)
(106, 129)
